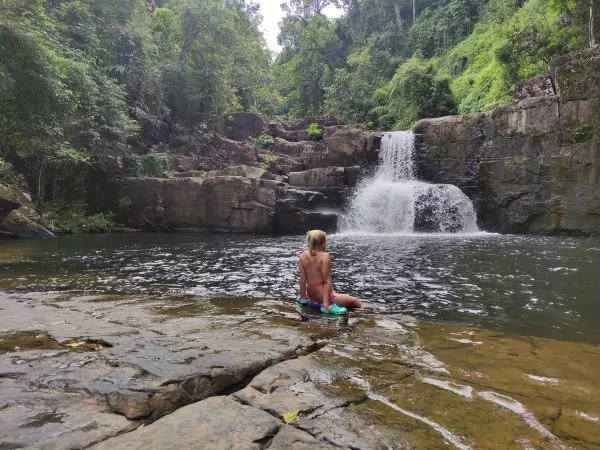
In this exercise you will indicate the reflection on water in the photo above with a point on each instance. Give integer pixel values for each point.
(540, 285)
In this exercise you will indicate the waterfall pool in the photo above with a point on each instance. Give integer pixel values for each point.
(545, 286)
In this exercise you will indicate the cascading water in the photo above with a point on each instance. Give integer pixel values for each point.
(395, 201)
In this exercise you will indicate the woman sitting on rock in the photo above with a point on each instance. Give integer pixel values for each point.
(315, 277)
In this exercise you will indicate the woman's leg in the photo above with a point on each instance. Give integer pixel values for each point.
(347, 300)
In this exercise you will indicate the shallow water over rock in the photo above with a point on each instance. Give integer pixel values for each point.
(546, 286)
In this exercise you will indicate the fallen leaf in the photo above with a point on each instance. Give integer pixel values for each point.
(289, 417)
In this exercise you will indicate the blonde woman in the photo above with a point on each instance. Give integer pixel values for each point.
(315, 277)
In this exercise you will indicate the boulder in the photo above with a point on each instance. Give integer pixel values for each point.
(6, 207)
(327, 177)
(279, 163)
(277, 130)
(297, 150)
(217, 152)
(324, 177)
(19, 225)
(10, 195)
(243, 125)
(213, 122)
(181, 163)
(226, 152)
(345, 146)
(242, 171)
(18, 216)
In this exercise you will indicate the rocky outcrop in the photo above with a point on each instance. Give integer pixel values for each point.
(19, 225)
(217, 181)
(242, 126)
(242, 171)
(533, 167)
(6, 207)
(235, 126)
(18, 216)
(223, 152)
(325, 177)
(182, 163)
(234, 204)
(542, 86)
(237, 199)
(343, 146)
(91, 371)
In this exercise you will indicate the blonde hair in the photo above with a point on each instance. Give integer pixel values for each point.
(315, 239)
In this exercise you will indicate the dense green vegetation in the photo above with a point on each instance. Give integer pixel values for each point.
(387, 63)
(79, 79)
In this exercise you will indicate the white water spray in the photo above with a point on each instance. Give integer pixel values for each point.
(395, 201)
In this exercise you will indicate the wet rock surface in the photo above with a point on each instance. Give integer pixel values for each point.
(185, 372)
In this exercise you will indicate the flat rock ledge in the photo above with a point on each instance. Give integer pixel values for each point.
(126, 372)
(77, 370)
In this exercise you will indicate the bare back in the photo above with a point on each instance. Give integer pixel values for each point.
(317, 273)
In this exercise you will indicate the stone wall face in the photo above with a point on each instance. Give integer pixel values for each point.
(533, 167)
(530, 168)
(243, 203)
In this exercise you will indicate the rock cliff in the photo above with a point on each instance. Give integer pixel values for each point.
(222, 184)
(532, 167)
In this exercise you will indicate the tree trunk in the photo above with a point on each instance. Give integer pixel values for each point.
(398, 16)
(592, 30)
(414, 11)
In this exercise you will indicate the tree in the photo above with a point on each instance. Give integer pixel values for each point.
(415, 92)
(306, 9)
(311, 52)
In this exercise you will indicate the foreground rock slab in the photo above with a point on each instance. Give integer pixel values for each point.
(216, 423)
(72, 363)
(106, 371)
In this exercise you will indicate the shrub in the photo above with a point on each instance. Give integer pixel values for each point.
(579, 132)
(269, 161)
(151, 165)
(315, 132)
(263, 141)
(66, 219)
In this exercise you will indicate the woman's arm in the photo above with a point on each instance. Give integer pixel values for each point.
(326, 278)
(302, 279)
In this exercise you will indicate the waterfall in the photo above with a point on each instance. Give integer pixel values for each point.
(393, 200)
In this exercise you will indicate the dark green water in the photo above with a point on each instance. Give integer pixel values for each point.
(546, 286)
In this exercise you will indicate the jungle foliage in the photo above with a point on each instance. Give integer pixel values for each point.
(81, 78)
(387, 63)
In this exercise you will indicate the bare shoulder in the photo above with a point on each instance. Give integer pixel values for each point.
(325, 257)
(304, 255)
